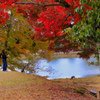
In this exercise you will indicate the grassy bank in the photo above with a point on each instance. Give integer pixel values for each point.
(21, 86)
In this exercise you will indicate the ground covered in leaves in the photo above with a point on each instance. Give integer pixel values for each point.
(21, 86)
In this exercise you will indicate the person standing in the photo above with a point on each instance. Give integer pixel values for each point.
(4, 59)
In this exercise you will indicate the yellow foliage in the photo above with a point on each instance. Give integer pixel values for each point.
(15, 38)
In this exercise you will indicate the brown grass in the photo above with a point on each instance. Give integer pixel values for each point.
(21, 86)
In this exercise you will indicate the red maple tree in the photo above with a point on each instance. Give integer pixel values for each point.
(49, 18)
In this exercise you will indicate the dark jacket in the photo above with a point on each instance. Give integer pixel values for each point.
(3, 56)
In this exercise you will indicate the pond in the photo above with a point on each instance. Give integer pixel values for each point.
(66, 67)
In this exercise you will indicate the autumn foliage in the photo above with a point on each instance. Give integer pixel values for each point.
(49, 18)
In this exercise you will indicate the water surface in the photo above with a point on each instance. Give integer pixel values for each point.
(65, 68)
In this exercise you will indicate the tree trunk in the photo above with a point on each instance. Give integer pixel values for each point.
(9, 27)
(99, 58)
(25, 67)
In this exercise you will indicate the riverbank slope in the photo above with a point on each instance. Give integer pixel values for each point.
(21, 86)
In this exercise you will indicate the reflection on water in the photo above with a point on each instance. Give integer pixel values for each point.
(65, 68)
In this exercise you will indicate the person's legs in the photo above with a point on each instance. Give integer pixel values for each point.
(4, 65)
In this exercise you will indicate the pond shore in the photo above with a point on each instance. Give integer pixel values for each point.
(65, 55)
(21, 86)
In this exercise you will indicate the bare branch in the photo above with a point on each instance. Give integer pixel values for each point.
(38, 4)
(63, 3)
(65, 20)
